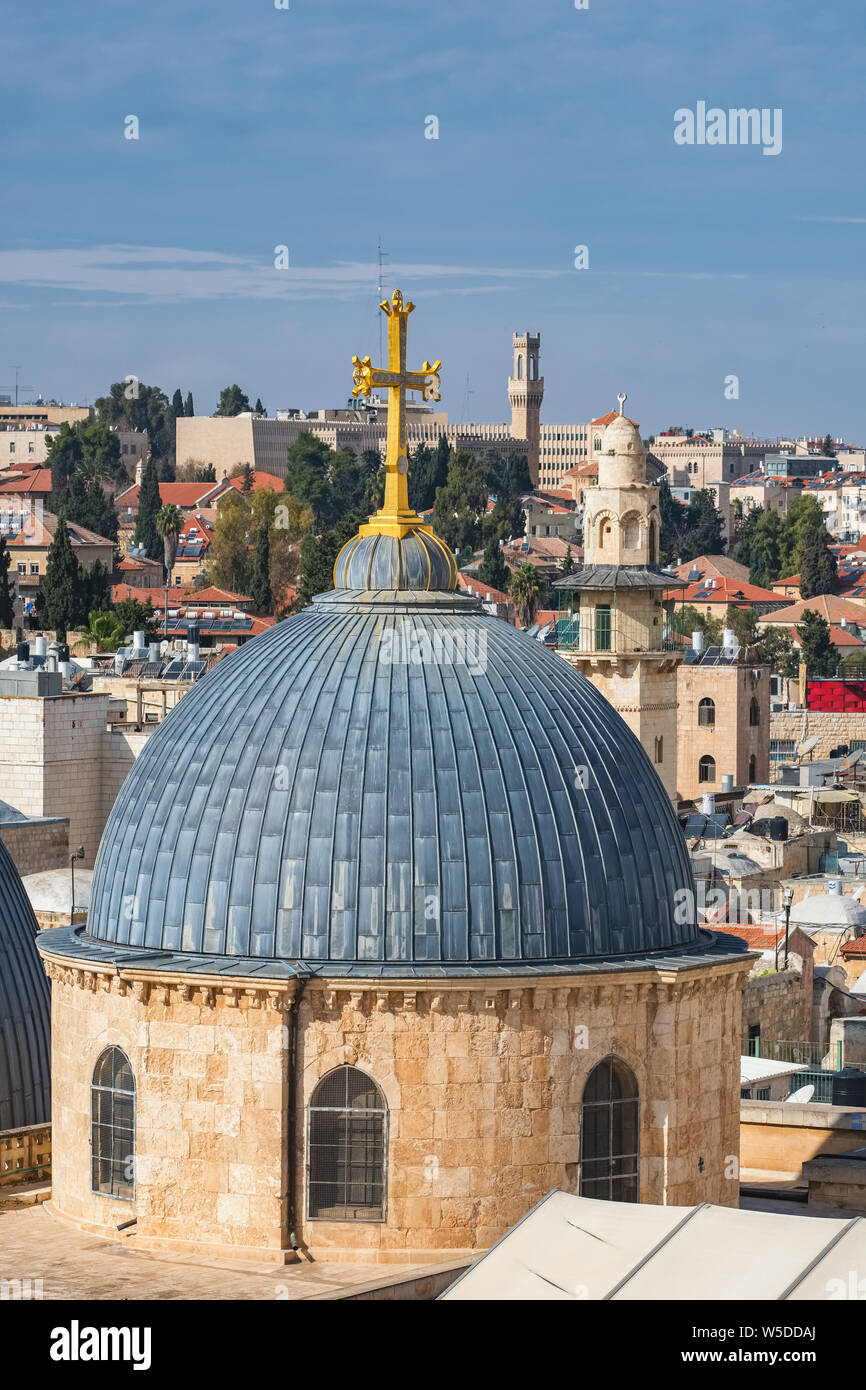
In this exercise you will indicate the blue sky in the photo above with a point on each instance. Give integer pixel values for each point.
(305, 127)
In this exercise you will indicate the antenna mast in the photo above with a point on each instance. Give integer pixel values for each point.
(381, 291)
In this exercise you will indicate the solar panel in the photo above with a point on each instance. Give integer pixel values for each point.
(192, 670)
(691, 656)
(150, 670)
(711, 656)
(173, 670)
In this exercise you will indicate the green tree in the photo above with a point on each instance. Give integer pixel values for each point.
(816, 649)
(189, 408)
(743, 622)
(493, 569)
(228, 557)
(105, 629)
(132, 615)
(88, 504)
(248, 479)
(132, 405)
(260, 409)
(64, 454)
(318, 553)
(149, 505)
(525, 590)
(827, 447)
(462, 503)
(818, 571)
(61, 601)
(566, 564)
(232, 401)
(6, 610)
(705, 526)
(177, 403)
(260, 587)
(767, 547)
(169, 524)
(774, 648)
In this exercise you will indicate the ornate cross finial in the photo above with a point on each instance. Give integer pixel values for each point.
(395, 517)
(622, 398)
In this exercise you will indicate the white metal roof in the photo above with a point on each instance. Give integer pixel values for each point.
(754, 1069)
(576, 1248)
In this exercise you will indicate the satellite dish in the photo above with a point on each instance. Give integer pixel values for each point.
(852, 758)
(744, 816)
(808, 745)
(801, 1097)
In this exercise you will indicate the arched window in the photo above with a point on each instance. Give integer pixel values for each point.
(753, 768)
(707, 769)
(112, 1126)
(754, 712)
(660, 748)
(706, 711)
(347, 1144)
(610, 1133)
(520, 366)
(596, 443)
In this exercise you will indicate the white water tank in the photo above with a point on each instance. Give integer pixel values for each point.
(697, 640)
(708, 803)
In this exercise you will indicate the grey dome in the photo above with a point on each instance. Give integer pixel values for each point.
(312, 799)
(418, 560)
(25, 1068)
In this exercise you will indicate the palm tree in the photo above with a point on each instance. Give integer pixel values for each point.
(105, 630)
(169, 524)
(525, 593)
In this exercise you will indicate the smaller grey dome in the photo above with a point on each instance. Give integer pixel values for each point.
(828, 910)
(25, 1067)
(418, 560)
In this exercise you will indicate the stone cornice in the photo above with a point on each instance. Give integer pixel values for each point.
(410, 996)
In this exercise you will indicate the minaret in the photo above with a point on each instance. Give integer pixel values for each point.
(525, 393)
(616, 625)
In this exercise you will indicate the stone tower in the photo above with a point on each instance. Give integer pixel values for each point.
(525, 392)
(616, 632)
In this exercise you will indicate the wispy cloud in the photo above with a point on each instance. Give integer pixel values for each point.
(126, 275)
(161, 274)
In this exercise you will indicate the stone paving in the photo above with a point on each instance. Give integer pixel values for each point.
(71, 1265)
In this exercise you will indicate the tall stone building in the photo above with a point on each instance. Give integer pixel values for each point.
(616, 633)
(525, 394)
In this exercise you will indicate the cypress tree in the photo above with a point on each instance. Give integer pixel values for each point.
(493, 569)
(6, 612)
(149, 505)
(61, 600)
(260, 588)
(177, 403)
(818, 572)
(189, 408)
(816, 649)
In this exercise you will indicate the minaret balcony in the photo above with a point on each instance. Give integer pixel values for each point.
(614, 634)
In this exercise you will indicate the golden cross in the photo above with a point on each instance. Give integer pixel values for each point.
(395, 517)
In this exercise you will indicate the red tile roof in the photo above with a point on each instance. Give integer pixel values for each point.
(609, 418)
(831, 607)
(264, 481)
(34, 480)
(180, 494)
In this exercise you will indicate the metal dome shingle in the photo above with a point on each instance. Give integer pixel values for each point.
(311, 800)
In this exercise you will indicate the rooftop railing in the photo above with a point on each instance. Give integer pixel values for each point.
(613, 633)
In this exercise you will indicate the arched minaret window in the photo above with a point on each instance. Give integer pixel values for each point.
(753, 768)
(631, 531)
(754, 713)
(520, 366)
(112, 1126)
(610, 1133)
(653, 542)
(347, 1148)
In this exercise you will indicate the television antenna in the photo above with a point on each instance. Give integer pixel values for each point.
(380, 291)
(18, 386)
(469, 392)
